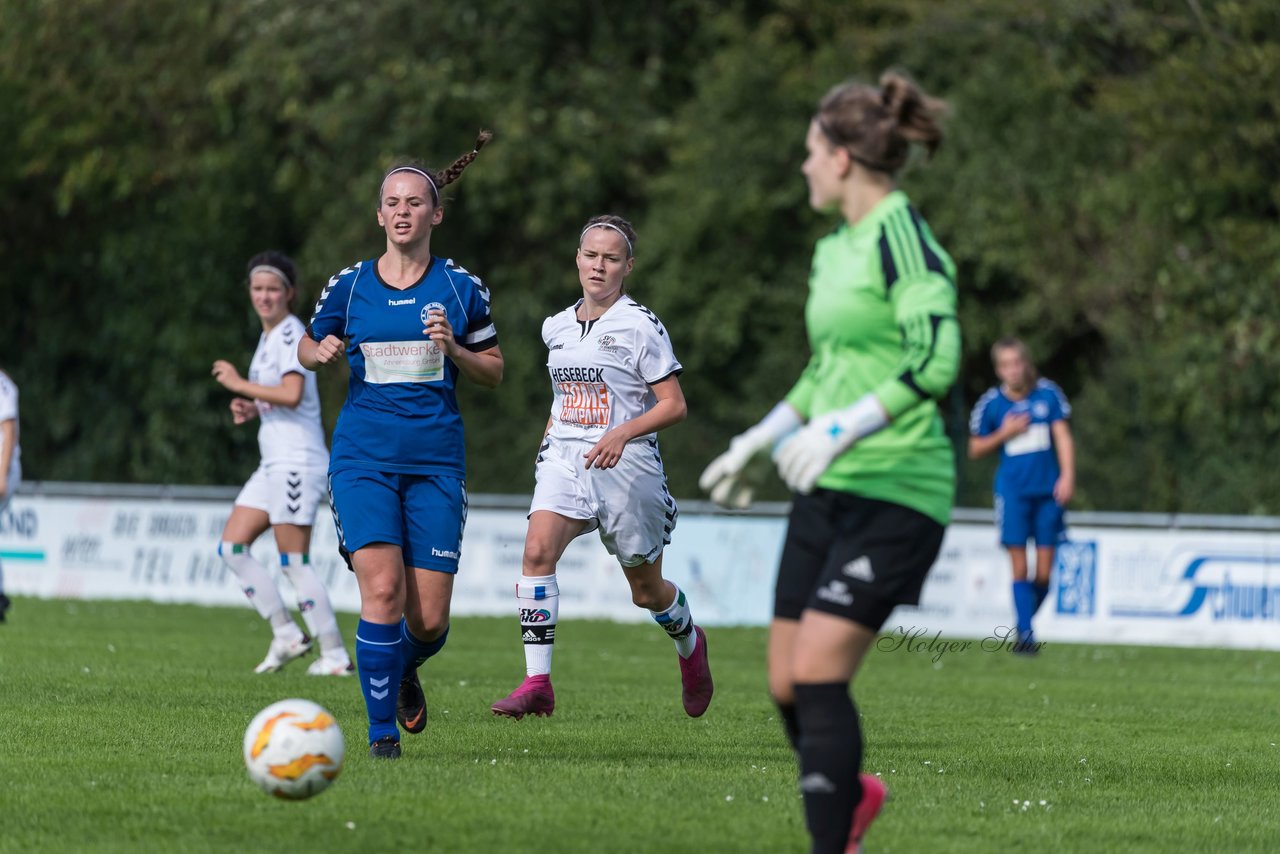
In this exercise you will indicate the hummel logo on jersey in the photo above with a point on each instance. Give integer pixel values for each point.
(837, 592)
(860, 569)
(435, 552)
(817, 783)
(557, 347)
(409, 301)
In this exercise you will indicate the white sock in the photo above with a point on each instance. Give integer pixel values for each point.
(313, 602)
(257, 584)
(677, 622)
(538, 599)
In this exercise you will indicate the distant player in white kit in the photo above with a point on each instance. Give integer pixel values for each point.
(290, 481)
(616, 384)
(10, 458)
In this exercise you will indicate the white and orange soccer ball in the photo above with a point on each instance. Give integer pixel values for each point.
(293, 749)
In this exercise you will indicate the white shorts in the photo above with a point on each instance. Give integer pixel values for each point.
(628, 503)
(289, 495)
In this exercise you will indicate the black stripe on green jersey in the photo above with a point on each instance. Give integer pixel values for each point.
(904, 249)
(908, 377)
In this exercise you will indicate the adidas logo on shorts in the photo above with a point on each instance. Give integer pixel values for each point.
(860, 569)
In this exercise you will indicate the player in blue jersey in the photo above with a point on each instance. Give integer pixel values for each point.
(409, 323)
(289, 484)
(1026, 419)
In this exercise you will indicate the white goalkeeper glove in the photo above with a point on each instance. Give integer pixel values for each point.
(806, 453)
(731, 478)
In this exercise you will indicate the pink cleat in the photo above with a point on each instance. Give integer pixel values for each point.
(533, 697)
(874, 794)
(695, 677)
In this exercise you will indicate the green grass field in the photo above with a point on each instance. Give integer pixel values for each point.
(122, 726)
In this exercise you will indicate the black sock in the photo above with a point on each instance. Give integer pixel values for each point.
(830, 756)
(791, 724)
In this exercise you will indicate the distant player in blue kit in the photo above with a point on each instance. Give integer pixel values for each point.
(409, 323)
(616, 383)
(1026, 418)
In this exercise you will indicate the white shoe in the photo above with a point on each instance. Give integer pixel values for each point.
(281, 653)
(332, 665)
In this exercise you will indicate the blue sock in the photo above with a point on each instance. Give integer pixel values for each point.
(378, 660)
(1024, 604)
(1042, 593)
(415, 652)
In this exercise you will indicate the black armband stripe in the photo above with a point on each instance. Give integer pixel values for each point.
(908, 379)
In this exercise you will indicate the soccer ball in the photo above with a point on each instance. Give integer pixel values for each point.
(293, 749)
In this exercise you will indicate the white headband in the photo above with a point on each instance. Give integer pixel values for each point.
(630, 250)
(275, 271)
(435, 191)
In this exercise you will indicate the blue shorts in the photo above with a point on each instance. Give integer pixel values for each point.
(1022, 517)
(422, 514)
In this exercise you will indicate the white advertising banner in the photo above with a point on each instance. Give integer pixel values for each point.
(1110, 585)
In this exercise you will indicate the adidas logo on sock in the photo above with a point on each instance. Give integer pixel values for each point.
(530, 637)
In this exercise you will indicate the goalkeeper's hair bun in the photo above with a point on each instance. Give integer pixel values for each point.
(878, 124)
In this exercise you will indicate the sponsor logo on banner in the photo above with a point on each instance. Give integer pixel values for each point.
(24, 523)
(1076, 572)
(1224, 586)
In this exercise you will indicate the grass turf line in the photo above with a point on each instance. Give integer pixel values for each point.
(123, 722)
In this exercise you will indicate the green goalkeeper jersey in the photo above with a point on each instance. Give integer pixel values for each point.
(881, 319)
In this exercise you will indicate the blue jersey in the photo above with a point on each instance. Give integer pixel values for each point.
(401, 413)
(1028, 462)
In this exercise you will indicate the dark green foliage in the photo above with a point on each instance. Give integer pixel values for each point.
(1110, 188)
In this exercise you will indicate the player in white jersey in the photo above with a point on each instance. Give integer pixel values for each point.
(10, 459)
(616, 384)
(290, 481)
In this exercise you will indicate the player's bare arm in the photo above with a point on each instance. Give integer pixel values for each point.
(669, 409)
(313, 354)
(483, 368)
(1065, 446)
(1013, 424)
(288, 393)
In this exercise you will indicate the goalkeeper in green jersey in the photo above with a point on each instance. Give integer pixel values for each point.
(858, 438)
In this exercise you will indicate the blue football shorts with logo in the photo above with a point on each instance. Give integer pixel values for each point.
(853, 557)
(1022, 517)
(422, 514)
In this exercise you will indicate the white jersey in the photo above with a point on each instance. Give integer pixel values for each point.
(601, 370)
(9, 410)
(288, 435)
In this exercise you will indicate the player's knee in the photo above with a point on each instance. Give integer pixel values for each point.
(382, 597)
(539, 559)
(653, 596)
(782, 691)
(426, 627)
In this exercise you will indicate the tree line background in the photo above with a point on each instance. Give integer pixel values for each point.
(1109, 187)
